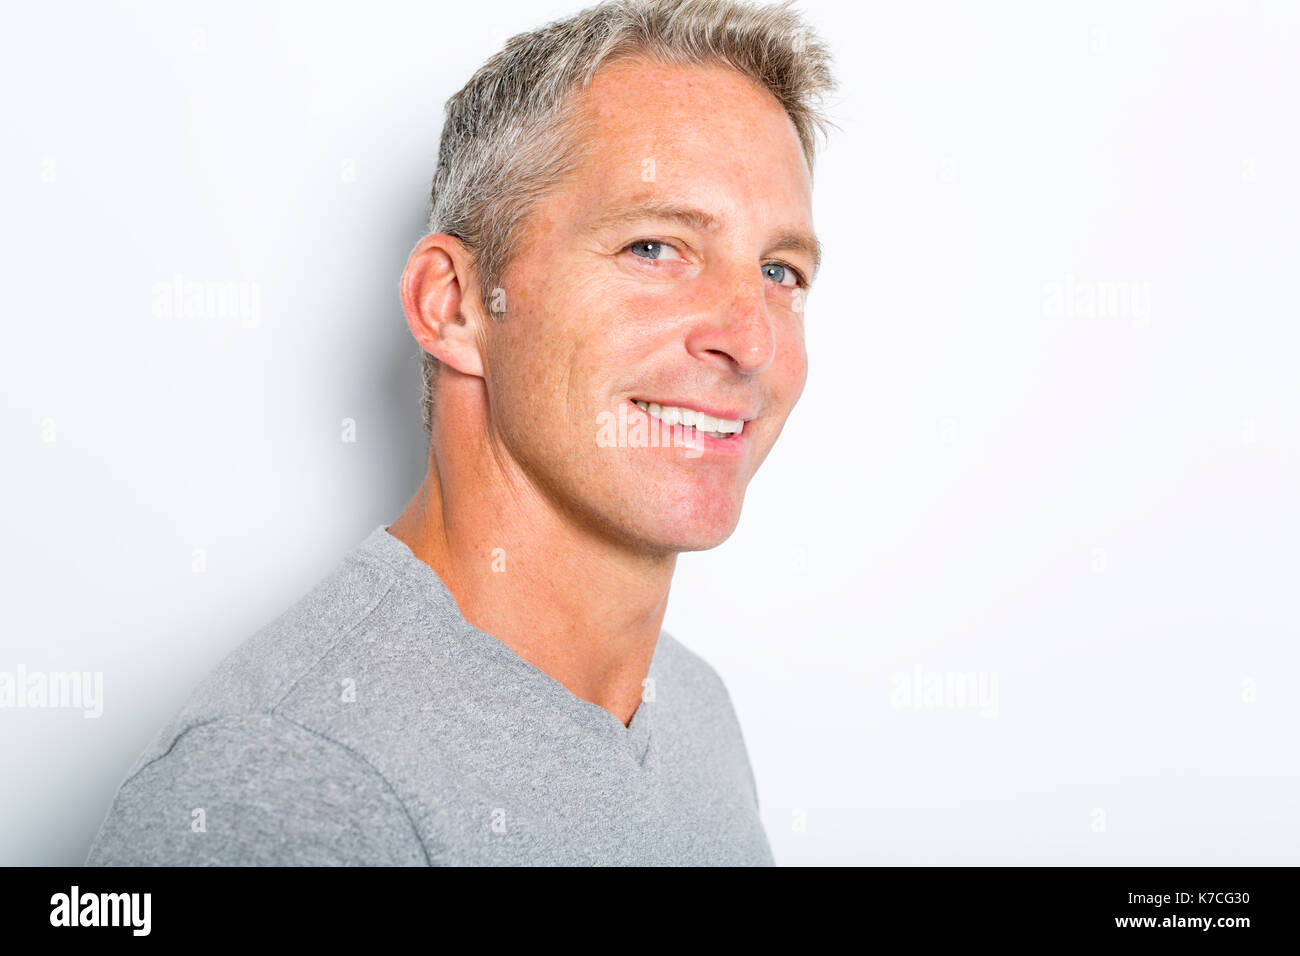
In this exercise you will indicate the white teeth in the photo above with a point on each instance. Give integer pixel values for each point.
(690, 418)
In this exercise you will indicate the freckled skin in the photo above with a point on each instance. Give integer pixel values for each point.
(588, 325)
(587, 536)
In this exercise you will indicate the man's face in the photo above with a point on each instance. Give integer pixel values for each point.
(609, 303)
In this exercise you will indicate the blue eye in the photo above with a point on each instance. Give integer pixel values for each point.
(655, 247)
(778, 272)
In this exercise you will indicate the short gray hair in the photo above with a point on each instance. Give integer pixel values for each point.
(511, 133)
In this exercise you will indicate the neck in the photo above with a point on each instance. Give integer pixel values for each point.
(580, 607)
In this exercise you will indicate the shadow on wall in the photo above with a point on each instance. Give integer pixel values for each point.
(374, 368)
(400, 454)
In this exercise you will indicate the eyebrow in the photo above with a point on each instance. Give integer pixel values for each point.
(702, 221)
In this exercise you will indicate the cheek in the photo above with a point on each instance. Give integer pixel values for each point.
(559, 351)
(614, 332)
(529, 344)
(517, 373)
(793, 365)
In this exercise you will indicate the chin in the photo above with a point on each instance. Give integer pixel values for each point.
(698, 530)
(704, 543)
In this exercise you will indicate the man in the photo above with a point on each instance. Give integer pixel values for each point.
(611, 306)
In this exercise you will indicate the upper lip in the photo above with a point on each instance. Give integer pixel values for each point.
(717, 411)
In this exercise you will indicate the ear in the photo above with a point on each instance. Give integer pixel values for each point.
(438, 295)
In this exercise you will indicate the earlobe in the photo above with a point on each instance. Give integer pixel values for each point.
(434, 284)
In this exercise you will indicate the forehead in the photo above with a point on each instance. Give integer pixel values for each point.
(691, 129)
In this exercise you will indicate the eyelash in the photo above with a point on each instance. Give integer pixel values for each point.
(800, 278)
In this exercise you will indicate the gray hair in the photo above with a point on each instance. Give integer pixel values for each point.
(512, 132)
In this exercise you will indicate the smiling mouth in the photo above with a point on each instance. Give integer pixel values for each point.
(691, 418)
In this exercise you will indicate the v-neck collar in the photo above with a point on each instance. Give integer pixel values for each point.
(634, 738)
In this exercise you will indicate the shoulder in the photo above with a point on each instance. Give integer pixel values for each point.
(690, 682)
(701, 709)
(255, 789)
(260, 672)
(236, 776)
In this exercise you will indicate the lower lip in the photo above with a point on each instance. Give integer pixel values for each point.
(697, 445)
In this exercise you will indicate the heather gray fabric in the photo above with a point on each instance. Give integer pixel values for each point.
(372, 725)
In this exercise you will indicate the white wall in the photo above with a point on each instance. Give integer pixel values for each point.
(1094, 513)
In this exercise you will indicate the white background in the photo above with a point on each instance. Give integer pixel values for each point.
(1096, 511)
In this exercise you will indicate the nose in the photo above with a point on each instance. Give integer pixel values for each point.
(735, 328)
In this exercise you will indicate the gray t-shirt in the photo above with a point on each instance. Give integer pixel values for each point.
(372, 725)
